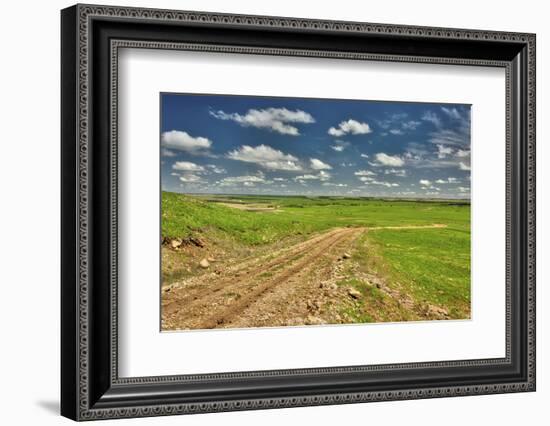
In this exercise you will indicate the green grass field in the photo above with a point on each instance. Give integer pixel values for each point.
(432, 265)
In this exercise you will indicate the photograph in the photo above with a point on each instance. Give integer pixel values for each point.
(282, 211)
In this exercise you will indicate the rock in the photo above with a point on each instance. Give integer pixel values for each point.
(210, 259)
(204, 263)
(356, 294)
(176, 243)
(346, 256)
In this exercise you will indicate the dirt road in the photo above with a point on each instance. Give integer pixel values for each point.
(272, 290)
(295, 285)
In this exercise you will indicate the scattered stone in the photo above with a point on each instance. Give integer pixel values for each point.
(356, 294)
(346, 256)
(204, 263)
(210, 259)
(176, 243)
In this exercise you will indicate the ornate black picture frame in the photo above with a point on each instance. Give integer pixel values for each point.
(91, 37)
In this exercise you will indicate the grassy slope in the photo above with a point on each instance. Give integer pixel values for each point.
(431, 264)
(184, 215)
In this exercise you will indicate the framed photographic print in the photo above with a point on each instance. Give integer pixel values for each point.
(263, 212)
(307, 215)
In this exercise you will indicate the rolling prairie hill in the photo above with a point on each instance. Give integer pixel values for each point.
(268, 261)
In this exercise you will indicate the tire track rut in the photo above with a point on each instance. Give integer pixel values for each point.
(204, 285)
(210, 306)
(239, 295)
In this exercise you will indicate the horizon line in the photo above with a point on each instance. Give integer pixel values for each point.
(322, 195)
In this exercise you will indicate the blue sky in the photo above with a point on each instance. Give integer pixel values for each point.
(297, 146)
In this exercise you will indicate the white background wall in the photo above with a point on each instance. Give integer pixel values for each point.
(29, 212)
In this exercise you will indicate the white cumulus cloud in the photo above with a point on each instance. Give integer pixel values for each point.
(339, 145)
(350, 126)
(443, 151)
(190, 178)
(274, 119)
(396, 172)
(389, 160)
(364, 173)
(448, 180)
(322, 176)
(266, 157)
(248, 180)
(317, 164)
(167, 153)
(183, 141)
(381, 183)
(187, 166)
(215, 169)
